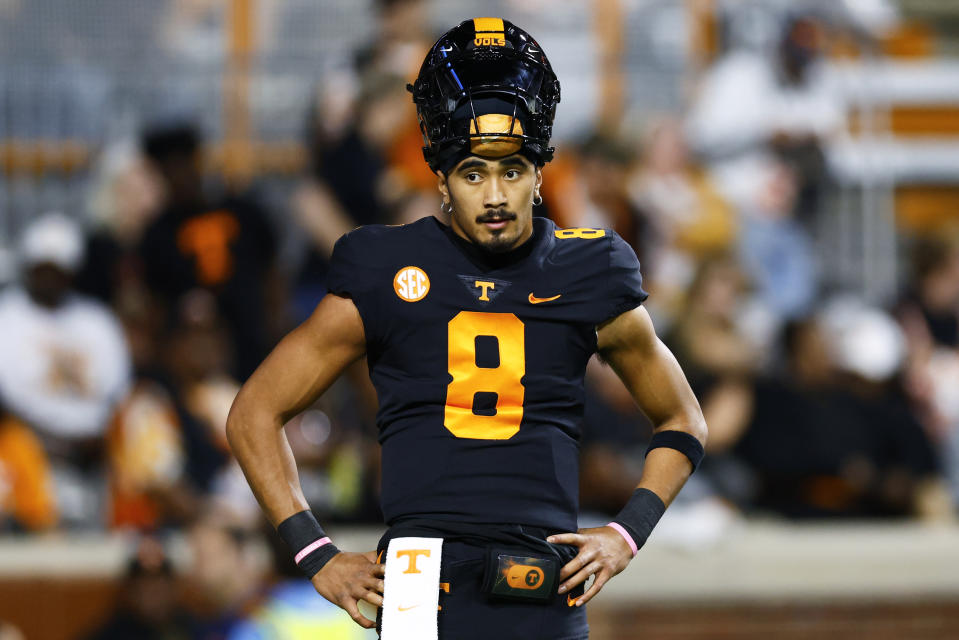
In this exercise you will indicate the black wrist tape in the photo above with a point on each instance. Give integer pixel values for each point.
(685, 443)
(311, 546)
(639, 516)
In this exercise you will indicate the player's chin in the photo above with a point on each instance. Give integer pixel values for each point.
(499, 240)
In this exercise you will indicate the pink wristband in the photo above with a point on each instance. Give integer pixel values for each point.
(310, 548)
(629, 539)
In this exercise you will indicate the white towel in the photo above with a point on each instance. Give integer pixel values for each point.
(412, 589)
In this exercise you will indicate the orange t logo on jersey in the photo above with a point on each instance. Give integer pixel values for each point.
(486, 286)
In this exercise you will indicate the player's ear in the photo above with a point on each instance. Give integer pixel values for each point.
(443, 186)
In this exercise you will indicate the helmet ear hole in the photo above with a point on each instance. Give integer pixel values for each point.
(491, 70)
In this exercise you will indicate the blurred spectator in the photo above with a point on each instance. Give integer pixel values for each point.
(353, 161)
(870, 351)
(197, 356)
(148, 608)
(605, 166)
(776, 250)
(751, 108)
(402, 37)
(395, 54)
(125, 197)
(147, 460)
(834, 436)
(762, 123)
(167, 446)
(64, 364)
(291, 609)
(688, 209)
(713, 337)
(929, 315)
(226, 575)
(930, 307)
(693, 219)
(27, 501)
(147, 452)
(223, 245)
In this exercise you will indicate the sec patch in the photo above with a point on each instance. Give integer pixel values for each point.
(411, 284)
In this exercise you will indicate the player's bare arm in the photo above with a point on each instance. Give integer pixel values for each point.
(301, 367)
(630, 345)
(650, 371)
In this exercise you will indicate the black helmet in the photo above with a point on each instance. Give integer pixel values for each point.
(485, 88)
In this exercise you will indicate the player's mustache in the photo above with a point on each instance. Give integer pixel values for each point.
(496, 216)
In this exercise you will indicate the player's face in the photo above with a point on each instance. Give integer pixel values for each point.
(492, 200)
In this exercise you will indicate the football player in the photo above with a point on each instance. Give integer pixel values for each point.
(477, 336)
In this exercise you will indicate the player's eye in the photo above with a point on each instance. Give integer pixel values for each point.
(512, 174)
(473, 177)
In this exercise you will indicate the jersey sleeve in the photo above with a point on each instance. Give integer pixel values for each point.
(350, 275)
(624, 280)
(345, 266)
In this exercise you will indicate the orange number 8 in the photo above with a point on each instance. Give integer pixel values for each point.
(506, 380)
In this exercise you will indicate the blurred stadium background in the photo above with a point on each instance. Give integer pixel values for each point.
(173, 174)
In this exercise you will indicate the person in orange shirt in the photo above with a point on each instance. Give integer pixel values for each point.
(26, 489)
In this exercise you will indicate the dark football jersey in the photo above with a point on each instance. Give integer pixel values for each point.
(478, 362)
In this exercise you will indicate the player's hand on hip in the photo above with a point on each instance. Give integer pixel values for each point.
(602, 551)
(350, 577)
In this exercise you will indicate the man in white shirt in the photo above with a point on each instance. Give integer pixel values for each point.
(64, 363)
(752, 108)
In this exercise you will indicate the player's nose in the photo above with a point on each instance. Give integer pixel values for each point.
(495, 194)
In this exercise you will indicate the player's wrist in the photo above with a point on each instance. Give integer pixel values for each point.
(627, 539)
(310, 545)
(636, 520)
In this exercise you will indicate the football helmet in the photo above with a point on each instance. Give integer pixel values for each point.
(485, 88)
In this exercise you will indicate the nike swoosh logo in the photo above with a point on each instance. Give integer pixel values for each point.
(534, 300)
(407, 608)
(570, 600)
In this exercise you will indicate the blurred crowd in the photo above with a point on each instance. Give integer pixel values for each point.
(134, 322)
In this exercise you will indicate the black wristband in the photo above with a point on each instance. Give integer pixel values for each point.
(639, 516)
(687, 444)
(311, 546)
